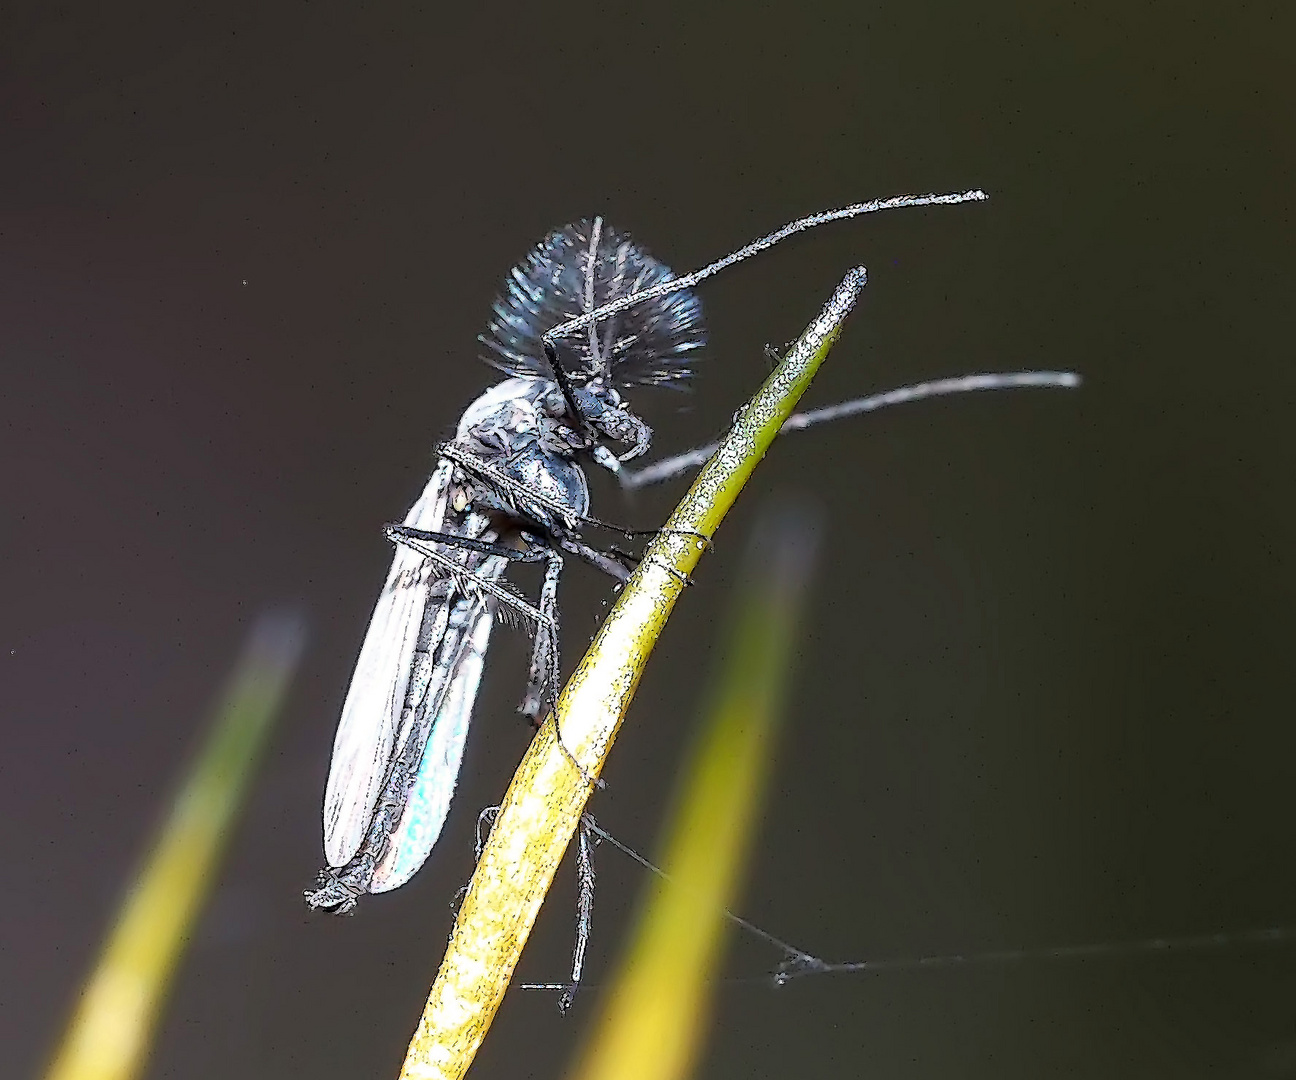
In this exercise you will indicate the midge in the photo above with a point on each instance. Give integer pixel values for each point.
(586, 316)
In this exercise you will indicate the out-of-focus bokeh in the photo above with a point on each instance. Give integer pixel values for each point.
(1045, 677)
(657, 1010)
(112, 1030)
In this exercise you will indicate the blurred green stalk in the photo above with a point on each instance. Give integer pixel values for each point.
(658, 1010)
(111, 1030)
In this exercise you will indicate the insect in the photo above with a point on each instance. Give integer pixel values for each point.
(585, 318)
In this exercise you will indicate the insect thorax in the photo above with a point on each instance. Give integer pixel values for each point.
(512, 428)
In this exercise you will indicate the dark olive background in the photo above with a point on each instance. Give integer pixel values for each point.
(1045, 690)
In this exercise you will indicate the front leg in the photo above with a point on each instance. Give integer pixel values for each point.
(613, 561)
(417, 539)
(610, 563)
(428, 545)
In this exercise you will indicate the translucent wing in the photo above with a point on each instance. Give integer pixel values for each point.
(371, 715)
(451, 687)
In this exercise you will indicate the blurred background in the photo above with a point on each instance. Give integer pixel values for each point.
(1044, 691)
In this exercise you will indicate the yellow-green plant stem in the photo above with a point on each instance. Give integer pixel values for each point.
(542, 807)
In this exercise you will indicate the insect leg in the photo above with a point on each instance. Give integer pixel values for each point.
(468, 581)
(627, 556)
(678, 464)
(609, 561)
(404, 534)
(628, 532)
(542, 680)
(667, 468)
(523, 495)
(586, 843)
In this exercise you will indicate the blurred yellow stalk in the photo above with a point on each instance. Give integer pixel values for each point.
(657, 1013)
(543, 804)
(112, 1029)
